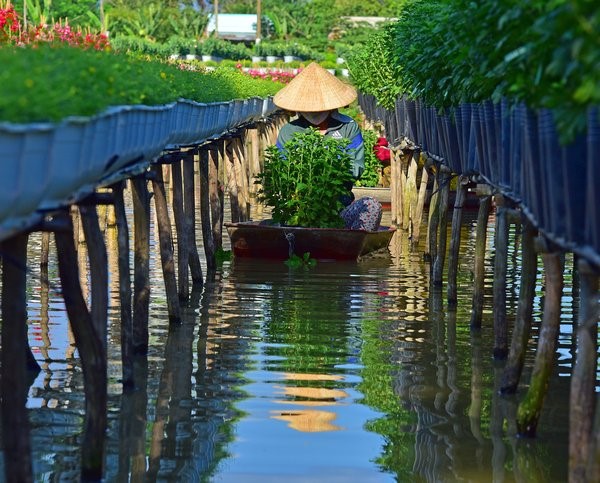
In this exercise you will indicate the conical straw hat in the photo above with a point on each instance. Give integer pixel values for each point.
(314, 89)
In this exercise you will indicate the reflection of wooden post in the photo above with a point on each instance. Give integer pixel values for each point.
(530, 407)
(485, 203)
(182, 232)
(582, 405)
(500, 264)
(141, 263)
(205, 209)
(124, 284)
(165, 236)
(189, 219)
(440, 258)
(93, 358)
(457, 215)
(15, 421)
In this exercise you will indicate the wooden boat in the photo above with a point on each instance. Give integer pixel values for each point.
(251, 239)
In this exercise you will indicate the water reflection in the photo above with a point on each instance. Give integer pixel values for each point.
(345, 372)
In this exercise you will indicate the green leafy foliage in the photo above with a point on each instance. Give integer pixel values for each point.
(545, 54)
(304, 183)
(370, 175)
(49, 83)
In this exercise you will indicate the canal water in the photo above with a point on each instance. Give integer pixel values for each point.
(343, 372)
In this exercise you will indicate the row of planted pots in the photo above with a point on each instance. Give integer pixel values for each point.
(517, 150)
(48, 165)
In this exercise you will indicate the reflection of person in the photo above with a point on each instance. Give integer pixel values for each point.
(316, 95)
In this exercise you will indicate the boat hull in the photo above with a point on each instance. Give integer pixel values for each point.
(253, 240)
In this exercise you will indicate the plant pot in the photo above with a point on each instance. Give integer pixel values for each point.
(257, 58)
(272, 59)
(289, 58)
(191, 57)
(340, 60)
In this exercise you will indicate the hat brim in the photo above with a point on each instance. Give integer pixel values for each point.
(313, 90)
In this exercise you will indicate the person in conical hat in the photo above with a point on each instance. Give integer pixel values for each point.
(315, 95)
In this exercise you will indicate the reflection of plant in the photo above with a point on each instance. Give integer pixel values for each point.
(304, 261)
(304, 183)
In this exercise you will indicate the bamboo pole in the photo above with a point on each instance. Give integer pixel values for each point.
(583, 397)
(500, 350)
(93, 358)
(15, 421)
(438, 264)
(457, 215)
(165, 236)
(189, 219)
(522, 329)
(479, 267)
(127, 348)
(182, 232)
(531, 406)
(205, 209)
(141, 263)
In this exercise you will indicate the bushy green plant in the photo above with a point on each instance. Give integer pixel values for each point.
(223, 49)
(304, 183)
(49, 83)
(370, 175)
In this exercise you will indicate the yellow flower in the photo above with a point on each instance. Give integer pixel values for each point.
(29, 83)
(163, 75)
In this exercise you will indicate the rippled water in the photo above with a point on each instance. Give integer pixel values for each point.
(343, 372)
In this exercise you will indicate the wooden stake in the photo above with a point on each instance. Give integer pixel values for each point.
(409, 192)
(141, 263)
(127, 348)
(457, 215)
(522, 329)
(530, 408)
(98, 262)
(93, 359)
(420, 205)
(205, 209)
(215, 194)
(189, 209)
(165, 236)
(15, 421)
(479, 268)
(583, 397)
(182, 232)
(500, 350)
(241, 179)
(232, 186)
(433, 221)
(438, 264)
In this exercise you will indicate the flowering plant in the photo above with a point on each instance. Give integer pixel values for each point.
(13, 33)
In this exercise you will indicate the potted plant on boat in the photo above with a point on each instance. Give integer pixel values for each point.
(304, 183)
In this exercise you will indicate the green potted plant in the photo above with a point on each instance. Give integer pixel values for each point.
(304, 183)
